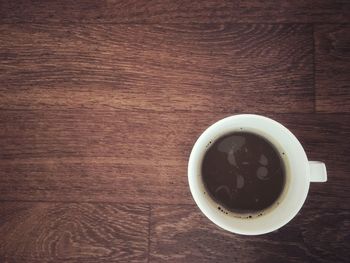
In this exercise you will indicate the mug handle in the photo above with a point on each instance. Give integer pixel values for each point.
(318, 172)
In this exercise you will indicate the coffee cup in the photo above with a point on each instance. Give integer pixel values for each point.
(299, 172)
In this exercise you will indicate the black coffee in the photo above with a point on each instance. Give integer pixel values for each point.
(243, 172)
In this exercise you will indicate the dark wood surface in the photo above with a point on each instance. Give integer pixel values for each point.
(102, 101)
(151, 67)
(181, 11)
(332, 68)
(73, 232)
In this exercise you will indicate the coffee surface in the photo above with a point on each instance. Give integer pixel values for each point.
(243, 172)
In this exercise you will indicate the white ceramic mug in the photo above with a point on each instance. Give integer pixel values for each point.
(299, 173)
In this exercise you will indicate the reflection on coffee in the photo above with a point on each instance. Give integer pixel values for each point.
(243, 172)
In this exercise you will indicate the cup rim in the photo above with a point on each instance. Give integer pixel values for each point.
(294, 155)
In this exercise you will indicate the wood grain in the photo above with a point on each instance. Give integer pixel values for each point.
(161, 68)
(318, 234)
(71, 232)
(332, 57)
(183, 11)
(102, 101)
(135, 156)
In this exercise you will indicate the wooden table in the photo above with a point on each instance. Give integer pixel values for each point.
(102, 101)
